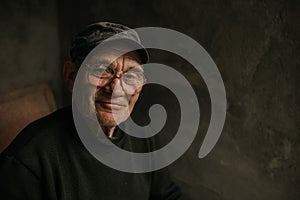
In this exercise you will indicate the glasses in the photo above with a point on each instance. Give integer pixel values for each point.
(101, 75)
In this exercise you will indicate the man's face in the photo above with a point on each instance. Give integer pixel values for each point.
(112, 100)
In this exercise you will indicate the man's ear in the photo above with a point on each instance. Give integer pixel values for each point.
(69, 73)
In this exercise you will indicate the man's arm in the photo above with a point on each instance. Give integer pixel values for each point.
(17, 181)
(162, 188)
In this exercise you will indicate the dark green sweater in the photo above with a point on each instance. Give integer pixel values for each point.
(47, 160)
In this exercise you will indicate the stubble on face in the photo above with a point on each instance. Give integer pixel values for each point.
(112, 104)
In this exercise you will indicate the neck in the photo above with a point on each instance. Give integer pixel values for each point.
(108, 131)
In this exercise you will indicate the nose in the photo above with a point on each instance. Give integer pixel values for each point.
(116, 87)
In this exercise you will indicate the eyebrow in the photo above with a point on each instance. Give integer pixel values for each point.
(109, 62)
(138, 68)
(103, 61)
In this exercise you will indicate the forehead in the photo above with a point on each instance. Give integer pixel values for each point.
(116, 57)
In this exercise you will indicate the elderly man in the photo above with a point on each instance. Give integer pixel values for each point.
(47, 160)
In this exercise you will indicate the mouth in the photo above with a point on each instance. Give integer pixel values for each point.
(108, 106)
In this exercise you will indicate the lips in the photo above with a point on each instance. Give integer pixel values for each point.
(110, 105)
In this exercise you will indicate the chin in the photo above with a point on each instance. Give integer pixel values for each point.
(107, 119)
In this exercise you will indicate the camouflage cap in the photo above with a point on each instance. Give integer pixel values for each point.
(94, 34)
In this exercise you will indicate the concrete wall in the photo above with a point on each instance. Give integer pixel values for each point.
(255, 45)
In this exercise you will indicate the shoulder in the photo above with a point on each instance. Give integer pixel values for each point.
(41, 132)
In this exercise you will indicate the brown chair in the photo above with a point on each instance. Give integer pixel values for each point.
(20, 107)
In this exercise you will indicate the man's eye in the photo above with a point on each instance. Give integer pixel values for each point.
(130, 75)
(102, 71)
(133, 78)
(98, 72)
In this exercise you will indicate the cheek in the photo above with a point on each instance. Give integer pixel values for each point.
(132, 101)
(88, 95)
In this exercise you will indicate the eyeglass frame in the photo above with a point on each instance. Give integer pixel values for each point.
(115, 74)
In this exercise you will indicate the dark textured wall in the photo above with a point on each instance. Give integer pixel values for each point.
(29, 45)
(255, 45)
